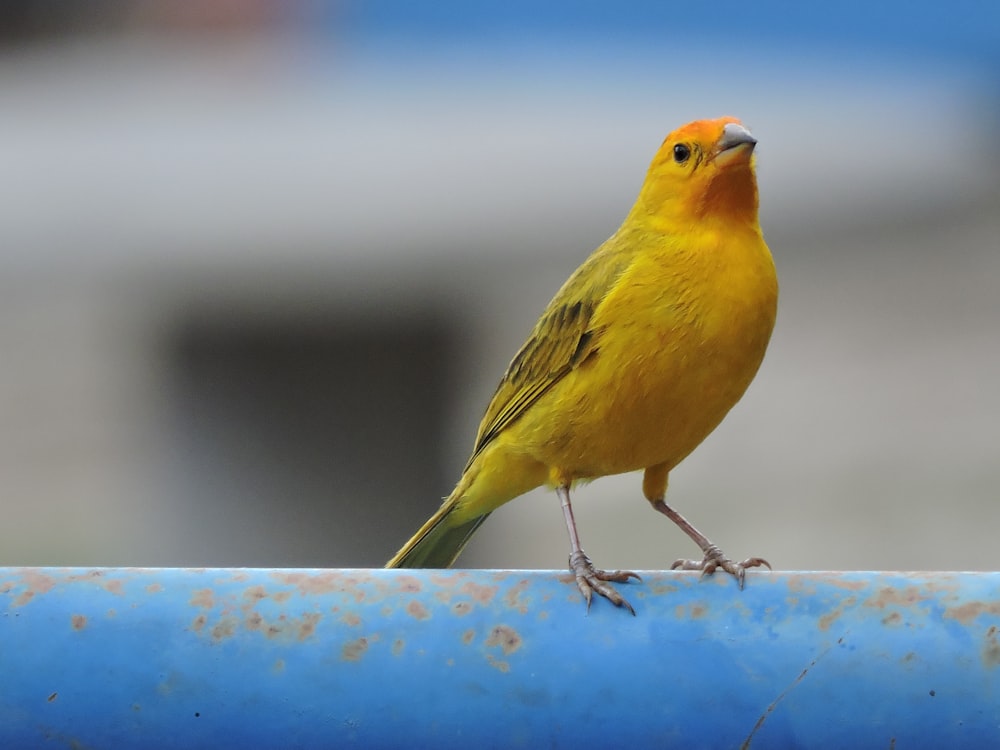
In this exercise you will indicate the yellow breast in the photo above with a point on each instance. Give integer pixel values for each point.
(682, 333)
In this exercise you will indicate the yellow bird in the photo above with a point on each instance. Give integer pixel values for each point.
(636, 359)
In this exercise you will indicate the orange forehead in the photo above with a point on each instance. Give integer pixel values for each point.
(703, 131)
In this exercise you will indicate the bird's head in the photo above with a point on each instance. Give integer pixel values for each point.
(704, 170)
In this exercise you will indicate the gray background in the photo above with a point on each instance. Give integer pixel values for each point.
(256, 288)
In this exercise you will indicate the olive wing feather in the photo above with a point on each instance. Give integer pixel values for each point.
(563, 338)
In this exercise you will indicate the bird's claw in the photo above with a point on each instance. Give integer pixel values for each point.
(715, 559)
(590, 579)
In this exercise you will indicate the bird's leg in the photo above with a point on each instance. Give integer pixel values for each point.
(714, 558)
(588, 578)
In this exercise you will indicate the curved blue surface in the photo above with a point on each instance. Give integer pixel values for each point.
(129, 658)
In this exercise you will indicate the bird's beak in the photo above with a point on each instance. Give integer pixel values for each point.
(735, 146)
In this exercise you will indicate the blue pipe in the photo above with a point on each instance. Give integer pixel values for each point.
(133, 658)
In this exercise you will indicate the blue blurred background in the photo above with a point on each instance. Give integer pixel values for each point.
(262, 264)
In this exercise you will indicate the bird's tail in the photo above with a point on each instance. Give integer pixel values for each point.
(439, 541)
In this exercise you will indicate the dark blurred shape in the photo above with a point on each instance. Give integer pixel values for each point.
(294, 440)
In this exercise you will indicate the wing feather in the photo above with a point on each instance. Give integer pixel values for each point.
(563, 338)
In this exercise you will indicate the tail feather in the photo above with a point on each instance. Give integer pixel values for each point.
(439, 542)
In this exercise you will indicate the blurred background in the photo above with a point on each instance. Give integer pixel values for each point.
(262, 264)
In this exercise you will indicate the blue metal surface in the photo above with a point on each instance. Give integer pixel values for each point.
(129, 658)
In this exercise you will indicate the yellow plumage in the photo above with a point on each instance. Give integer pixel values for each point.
(637, 358)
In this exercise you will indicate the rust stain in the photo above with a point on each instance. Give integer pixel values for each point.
(327, 582)
(417, 610)
(803, 584)
(698, 611)
(462, 608)
(79, 622)
(224, 628)
(38, 582)
(443, 596)
(154, 588)
(255, 621)
(479, 593)
(514, 597)
(659, 589)
(409, 584)
(355, 650)
(307, 626)
(893, 618)
(908, 657)
(198, 623)
(506, 637)
(114, 586)
(351, 619)
(203, 598)
(397, 646)
(991, 649)
(52, 697)
(23, 598)
(498, 664)
(825, 621)
(889, 595)
(447, 579)
(279, 666)
(281, 596)
(6, 587)
(468, 636)
(840, 583)
(255, 594)
(968, 612)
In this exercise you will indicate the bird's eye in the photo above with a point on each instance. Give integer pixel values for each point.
(682, 152)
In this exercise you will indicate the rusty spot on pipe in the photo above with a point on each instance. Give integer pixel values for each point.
(154, 588)
(499, 664)
(506, 637)
(417, 610)
(468, 636)
(351, 619)
(23, 598)
(514, 599)
(225, 628)
(114, 586)
(52, 697)
(893, 618)
(991, 649)
(825, 621)
(255, 594)
(307, 626)
(397, 646)
(409, 584)
(889, 595)
(478, 592)
(968, 612)
(79, 622)
(198, 623)
(202, 598)
(355, 650)
(461, 608)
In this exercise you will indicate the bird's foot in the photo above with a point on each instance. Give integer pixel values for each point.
(715, 559)
(590, 579)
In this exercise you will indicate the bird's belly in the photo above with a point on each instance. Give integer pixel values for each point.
(650, 404)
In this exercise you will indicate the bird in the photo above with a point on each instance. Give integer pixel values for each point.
(636, 359)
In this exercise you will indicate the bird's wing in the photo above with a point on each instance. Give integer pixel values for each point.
(562, 339)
